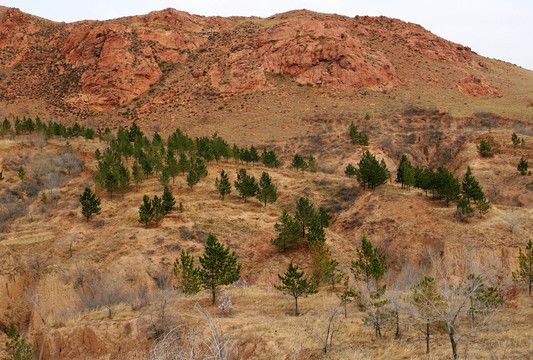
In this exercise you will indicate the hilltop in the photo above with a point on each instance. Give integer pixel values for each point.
(169, 68)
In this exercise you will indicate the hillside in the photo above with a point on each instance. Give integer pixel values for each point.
(169, 68)
(292, 83)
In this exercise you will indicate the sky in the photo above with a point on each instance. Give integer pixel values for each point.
(500, 29)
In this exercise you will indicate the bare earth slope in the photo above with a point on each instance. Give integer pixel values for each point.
(169, 68)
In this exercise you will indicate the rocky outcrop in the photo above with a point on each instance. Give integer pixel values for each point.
(104, 65)
(476, 86)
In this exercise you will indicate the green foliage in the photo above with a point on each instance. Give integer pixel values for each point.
(525, 266)
(187, 274)
(288, 232)
(369, 266)
(305, 212)
(90, 204)
(254, 155)
(485, 148)
(192, 178)
(299, 163)
(483, 206)
(371, 172)
(471, 188)
(16, 346)
(324, 267)
(146, 212)
(168, 200)
(266, 191)
(357, 137)
(482, 298)
(171, 165)
(158, 210)
(523, 165)
(464, 210)
(347, 294)
(294, 284)
(447, 185)
(218, 266)
(515, 139)
(350, 170)
(270, 159)
(246, 185)
(137, 173)
(1, 175)
(312, 163)
(21, 173)
(164, 177)
(223, 185)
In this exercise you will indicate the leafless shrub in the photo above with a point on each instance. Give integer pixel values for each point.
(225, 305)
(513, 219)
(327, 339)
(139, 298)
(97, 290)
(200, 342)
(159, 318)
(161, 276)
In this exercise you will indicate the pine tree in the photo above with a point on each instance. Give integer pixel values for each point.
(192, 178)
(137, 173)
(90, 204)
(371, 172)
(269, 158)
(187, 274)
(370, 265)
(347, 294)
(158, 210)
(523, 165)
(370, 268)
(408, 177)
(515, 139)
(218, 266)
(124, 178)
(168, 200)
(164, 177)
(357, 138)
(525, 270)
(146, 212)
(16, 346)
(350, 170)
(1, 175)
(471, 188)
(293, 283)
(172, 165)
(267, 191)
(483, 206)
(22, 174)
(305, 212)
(298, 162)
(288, 232)
(223, 185)
(245, 185)
(312, 163)
(404, 165)
(485, 149)
(464, 210)
(325, 268)
(254, 155)
(183, 163)
(447, 185)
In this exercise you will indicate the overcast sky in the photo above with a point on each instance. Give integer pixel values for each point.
(501, 29)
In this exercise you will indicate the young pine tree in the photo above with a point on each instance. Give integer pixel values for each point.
(289, 233)
(295, 284)
(298, 162)
(525, 270)
(523, 165)
(312, 163)
(90, 204)
(137, 173)
(192, 179)
(223, 185)
(267, 191)
(245, 185)
(350, 170)
(187, 274)
(218, 266)
(168, 200)
(158, 210)
(22, 174)
(471, 188)
(515, 139)
(485, 148)
(146, 212)
(464, 210)
(1, 175)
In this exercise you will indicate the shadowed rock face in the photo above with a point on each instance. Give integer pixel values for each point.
(103, 65)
